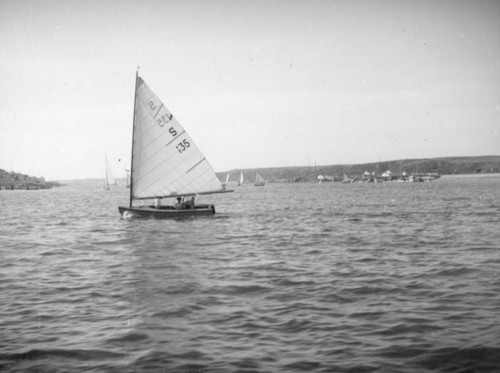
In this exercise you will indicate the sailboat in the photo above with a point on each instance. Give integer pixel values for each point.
(224, 184)
(347, 180)
(241, 178)
(127, 179)
(259, 180)
(166, 163)
(108, 179)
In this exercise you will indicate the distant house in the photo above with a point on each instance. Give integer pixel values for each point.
(387, 175)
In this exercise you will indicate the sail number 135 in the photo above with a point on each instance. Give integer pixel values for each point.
(182, 146)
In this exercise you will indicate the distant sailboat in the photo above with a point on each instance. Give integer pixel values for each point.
(259, 180)
(347, 180)
(241, 179)
(127, 179)
(108, 179)
(224, 184)
(166, 163)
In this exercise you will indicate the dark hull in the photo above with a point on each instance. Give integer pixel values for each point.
(165, 212)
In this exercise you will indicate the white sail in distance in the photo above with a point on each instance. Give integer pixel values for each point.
(165, 160)
(110, 180)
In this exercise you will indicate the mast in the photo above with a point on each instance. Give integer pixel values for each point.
(133, 133)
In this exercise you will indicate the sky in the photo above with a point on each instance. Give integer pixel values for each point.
(265, 83)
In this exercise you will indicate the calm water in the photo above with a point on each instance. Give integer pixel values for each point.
(392, 277)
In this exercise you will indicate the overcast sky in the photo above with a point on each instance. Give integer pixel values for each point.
(255, 83)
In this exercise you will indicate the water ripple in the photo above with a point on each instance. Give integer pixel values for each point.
(391, 277)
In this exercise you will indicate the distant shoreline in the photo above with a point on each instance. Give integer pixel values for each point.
(470, 176)
(477, 166)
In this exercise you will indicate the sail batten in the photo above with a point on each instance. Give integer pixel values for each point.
(166, 161)
(158, 111)
(177, 186)
(151, 167)
(175, 138)
(192, 168)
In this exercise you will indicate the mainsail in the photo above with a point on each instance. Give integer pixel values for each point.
(259, 180)
(165, 160)
(127, 179)
(109, 180)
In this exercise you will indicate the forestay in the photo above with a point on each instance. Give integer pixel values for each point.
(165, 160)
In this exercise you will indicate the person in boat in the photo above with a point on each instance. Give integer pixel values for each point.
(189, 204)
(158, 203)
(179, 204)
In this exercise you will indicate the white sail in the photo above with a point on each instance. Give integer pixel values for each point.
(227, 178)
(109, 180)
(241, 178)
(165, 160)
(127, 178)
(259, 180)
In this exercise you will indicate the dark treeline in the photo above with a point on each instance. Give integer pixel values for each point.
(442, 166)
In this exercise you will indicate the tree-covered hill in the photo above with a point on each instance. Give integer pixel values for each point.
(15, 180)
(442, 166)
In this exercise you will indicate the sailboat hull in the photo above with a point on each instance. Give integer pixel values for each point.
(165, 212)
